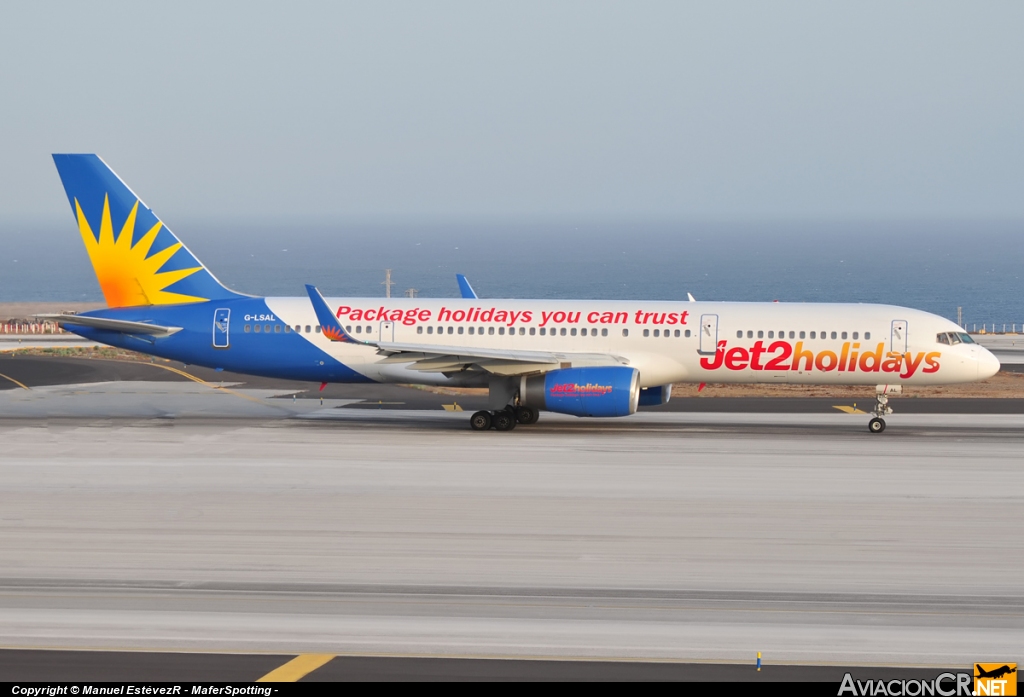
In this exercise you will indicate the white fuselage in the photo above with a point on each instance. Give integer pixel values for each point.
(668, 342)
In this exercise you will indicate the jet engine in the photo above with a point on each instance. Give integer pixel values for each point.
(655, 396)
(599, 391)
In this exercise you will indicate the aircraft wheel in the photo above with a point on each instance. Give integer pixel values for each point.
(876, 425)
(480, 421)
(504, 420)
(527, 415)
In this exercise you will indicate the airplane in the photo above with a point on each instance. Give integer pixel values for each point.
(588, 358)
(994, 673)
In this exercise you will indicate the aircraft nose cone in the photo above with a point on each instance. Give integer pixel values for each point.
(988, 364)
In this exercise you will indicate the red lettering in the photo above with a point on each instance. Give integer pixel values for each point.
(826, 361)
(778, 363)
(871, 361)
(527, 316)
(573, 319)
(445, 315)
(799, 354)
(621, 317)
(592, 317)
(716, 363)
(343, 310)
(424, 315)
(755, 356)
(545, 316)
(638, 313)
(911, 365)
(736, 358)
(682, 317)
(673, 318)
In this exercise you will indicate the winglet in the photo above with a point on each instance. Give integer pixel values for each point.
(464, 287)
(329, 324)
(690, 296)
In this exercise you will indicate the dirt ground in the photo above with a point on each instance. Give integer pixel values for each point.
(1001, 386)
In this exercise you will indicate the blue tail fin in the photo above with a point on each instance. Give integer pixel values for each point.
(137, 260)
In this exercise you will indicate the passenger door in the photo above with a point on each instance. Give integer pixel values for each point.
(898, 337)
(387, 331)
(221, 324)
(708, 334)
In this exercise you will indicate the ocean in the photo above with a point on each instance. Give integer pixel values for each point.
(935, 267)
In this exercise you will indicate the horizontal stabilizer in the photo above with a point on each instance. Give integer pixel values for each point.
(112, 325)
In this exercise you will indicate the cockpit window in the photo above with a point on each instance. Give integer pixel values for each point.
(952, 338)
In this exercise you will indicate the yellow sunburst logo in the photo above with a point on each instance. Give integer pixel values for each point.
(127, 274)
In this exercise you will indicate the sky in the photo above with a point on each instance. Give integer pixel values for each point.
(312, 112)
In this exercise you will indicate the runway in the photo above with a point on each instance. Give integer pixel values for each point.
(673, 540)
(145, 509)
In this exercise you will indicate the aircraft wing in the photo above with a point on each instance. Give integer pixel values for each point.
(464, 288)
(112, 325)
(443, 359)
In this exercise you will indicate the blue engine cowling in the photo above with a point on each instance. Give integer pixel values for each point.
(603, 391)
(655, 396)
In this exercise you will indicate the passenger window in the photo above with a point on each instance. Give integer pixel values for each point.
(266, 328)
(844, 335)
(573, 332)
(771, 335)
(522, 331)
(533, 331)
(287, 329)
(277, 328)
(256, 328)
(501, 331)
(490, 330)
(867, 336)
(677, 333)
(792, 335)
(369, 329)
(430, 330)
(359, 329)
(461, 329)
(316, 329)
(687, 333)
(855, 335)
(419, 330)
(750, 334)
(802, 334)
(760, 333)
(834, 335)
(657, 332)
(543, 331)
(451, 330)
(246, 330)
(739, 334)
(813, 335)
(472, 330)
(625, 332)
(307, 329)
(647, 332)
(604, 332)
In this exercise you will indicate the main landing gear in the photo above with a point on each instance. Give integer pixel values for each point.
(503, 419)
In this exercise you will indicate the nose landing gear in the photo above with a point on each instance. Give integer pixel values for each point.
(882, 408)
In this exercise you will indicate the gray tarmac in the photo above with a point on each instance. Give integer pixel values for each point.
(167, 515)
